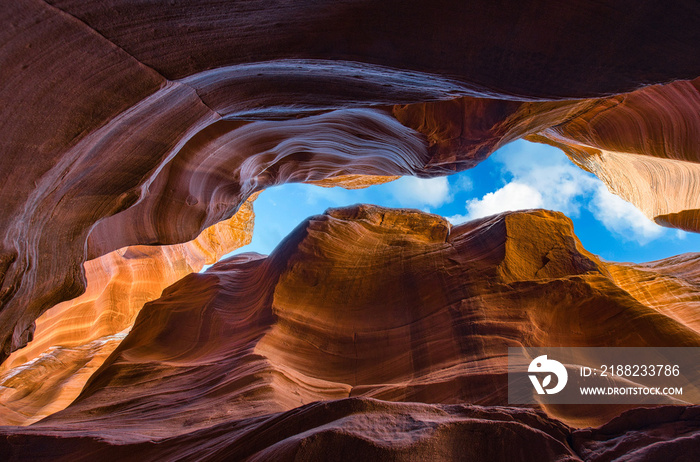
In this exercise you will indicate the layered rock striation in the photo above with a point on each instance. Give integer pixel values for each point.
(128, 123)
(73, 339)
(615, 140)
(364, 308)
(130, 128)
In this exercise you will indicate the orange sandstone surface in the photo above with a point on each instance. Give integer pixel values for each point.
(135, 134)
(130, 123)
(73, 339)
(384, 332)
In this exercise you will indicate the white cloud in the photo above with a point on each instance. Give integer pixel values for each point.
(458, 219)
(513, 196)
(539, 176)
(410, 191)
(623, 218)
(317, 194)
(464, 183)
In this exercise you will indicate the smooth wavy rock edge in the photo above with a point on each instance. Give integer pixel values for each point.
(364, 305)
(134, 123)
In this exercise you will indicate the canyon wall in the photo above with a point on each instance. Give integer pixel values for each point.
(127, 123)
(135, 136)
(73, 338)
(365, 308)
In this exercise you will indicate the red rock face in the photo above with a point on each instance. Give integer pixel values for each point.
(380, 304)
(660, 121)
(125, 110)
(73, 338)
(127, 123)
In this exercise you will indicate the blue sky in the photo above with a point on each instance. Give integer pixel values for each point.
(518, 176)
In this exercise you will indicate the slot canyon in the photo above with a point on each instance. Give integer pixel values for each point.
(137, 136)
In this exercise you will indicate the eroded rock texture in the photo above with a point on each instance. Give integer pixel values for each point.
(381, 304)
(73, 339)
(661, 122)
(127, 123)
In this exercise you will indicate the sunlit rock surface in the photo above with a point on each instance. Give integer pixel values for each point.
(392, 305)
(645, 146)
(128, 123)
(74, 338)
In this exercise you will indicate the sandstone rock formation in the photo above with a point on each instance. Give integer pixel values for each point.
(374, 303)
(138, 123)
(73, 339)
(126, 123)
(614, 139)
(365, 429)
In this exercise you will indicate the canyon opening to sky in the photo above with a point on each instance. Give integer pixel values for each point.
(519, 176)
(349, 230)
